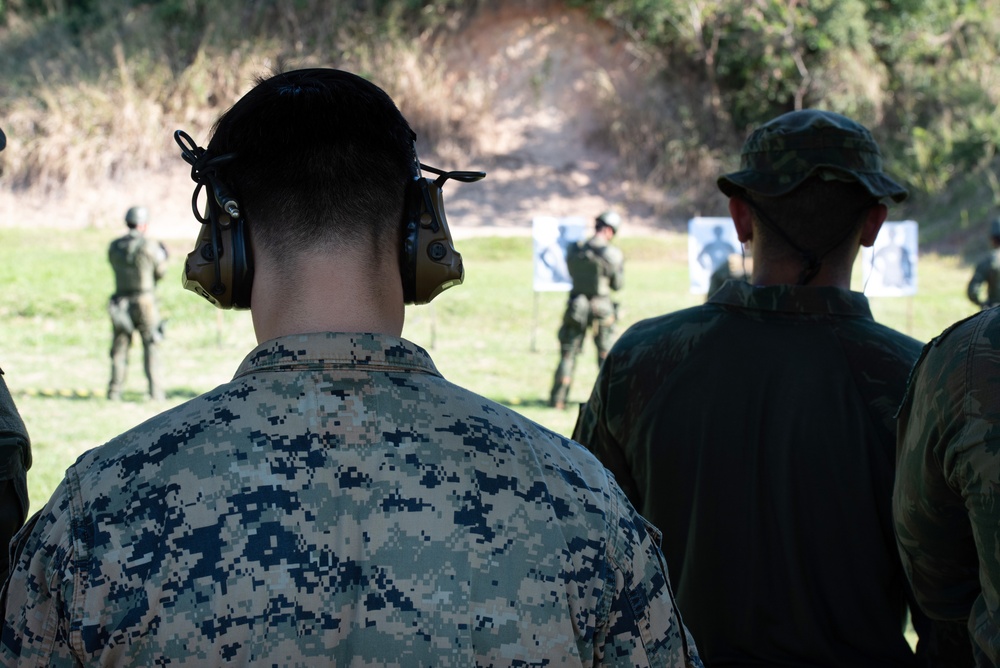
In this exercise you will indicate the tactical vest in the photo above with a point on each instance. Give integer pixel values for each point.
(133, 264)
(586, 268)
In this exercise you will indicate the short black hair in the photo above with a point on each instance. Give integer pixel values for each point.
(322, 159)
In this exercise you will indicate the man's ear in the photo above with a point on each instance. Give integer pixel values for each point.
(742, 218)
(874, 218)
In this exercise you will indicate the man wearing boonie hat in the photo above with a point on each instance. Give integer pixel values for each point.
(756, 430)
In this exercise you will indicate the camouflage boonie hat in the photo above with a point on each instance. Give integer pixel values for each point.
(779, 155)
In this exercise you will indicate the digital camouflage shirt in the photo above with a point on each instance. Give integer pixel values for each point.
(340, 503)
(948, 482)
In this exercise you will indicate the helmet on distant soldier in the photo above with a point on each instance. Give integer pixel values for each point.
(609, 219)
(137, 215)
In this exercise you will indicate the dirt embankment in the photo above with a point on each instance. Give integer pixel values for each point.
(544, 74)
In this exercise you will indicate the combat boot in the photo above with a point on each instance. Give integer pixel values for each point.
(557, 398)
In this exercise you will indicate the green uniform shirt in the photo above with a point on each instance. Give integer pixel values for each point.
(138, 263)
(15, 460)
(596, 267)
(948, 484)
(756, 431)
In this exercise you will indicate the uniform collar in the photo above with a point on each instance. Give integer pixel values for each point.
(793, 299)
(332, 350)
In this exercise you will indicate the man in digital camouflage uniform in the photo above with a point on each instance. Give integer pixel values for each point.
(945, 500)
(596, 268)
(987, 273)
(338, 502)
(15, 460)
(139, 263)
(756, 430)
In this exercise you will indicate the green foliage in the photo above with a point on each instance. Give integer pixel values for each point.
(921, 73)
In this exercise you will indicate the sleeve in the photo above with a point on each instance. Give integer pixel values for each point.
(15, 460)
(12, 425)
(616, 260)
(643, 626)
(948, 481)
(158, 256)
(975, 283)
(37, 596)
(593, 433)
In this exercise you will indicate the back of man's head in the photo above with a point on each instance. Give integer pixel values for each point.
(819, 217)
(809, 176)
(321, 160)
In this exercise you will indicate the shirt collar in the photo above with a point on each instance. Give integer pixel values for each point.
(332, 350)
(794, 299)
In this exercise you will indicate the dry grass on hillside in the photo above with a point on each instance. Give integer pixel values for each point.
(563, 113)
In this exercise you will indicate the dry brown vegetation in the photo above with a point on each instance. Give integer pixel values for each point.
(572, 106)
(530, 91)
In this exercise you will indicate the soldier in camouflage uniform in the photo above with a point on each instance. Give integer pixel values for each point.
(987, 273)
(596, 268)
(944, 503)
(338, 502)
(15, 460)
(139, 263)
(756, 430)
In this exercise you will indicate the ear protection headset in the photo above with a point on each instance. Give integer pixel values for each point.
(220, 268)
(429, 263)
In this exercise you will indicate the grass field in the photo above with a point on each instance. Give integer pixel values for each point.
(493, 335)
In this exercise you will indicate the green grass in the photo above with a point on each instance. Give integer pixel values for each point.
(493, 334)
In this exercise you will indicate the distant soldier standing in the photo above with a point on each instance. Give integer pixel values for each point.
(988, 272)
(597, 268)
(139, 264)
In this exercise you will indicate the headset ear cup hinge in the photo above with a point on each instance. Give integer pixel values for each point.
(220, 267)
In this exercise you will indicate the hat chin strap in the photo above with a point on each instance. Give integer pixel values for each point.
(811, 261)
